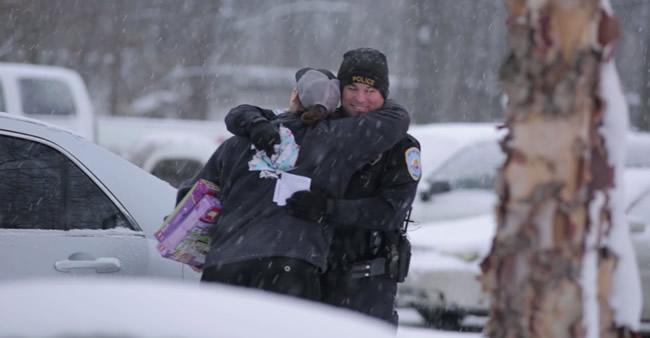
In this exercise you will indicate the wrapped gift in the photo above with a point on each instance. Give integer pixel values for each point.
(184, 237)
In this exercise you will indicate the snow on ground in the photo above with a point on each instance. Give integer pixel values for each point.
(154, 308)
(415, 332)
(411, 325)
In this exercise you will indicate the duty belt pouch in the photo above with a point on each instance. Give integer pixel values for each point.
(399, 258)
(404, 260)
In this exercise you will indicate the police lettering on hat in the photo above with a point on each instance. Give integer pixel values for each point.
(367, 66)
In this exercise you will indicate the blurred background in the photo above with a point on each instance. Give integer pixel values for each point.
(150, 63)
(196, 59)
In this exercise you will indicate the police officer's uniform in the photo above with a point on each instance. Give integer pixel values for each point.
(251, 227)
(363, 267)
(364, 264)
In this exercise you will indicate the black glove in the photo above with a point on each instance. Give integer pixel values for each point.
(264, 136)
(308, 205)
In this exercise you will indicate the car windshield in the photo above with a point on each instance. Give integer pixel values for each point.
(473, 167)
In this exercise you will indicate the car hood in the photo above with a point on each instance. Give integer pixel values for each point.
(465, 234)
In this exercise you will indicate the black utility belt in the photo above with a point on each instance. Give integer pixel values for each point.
(395, 265)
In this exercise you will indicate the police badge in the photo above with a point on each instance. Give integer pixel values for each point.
(412, 157)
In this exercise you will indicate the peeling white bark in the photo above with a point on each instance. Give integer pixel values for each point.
(554, 261)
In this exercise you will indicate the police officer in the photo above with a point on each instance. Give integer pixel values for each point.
(255, 243)
(369, 253)
(364, 262)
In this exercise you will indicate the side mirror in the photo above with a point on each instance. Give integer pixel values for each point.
(637, 227)
(425, 195)
(439, 187)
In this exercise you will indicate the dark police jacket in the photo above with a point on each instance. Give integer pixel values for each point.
(374, 206)
(251, 225)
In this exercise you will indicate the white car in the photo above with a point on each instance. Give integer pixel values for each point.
(638, 214)
(438, 141)
(455, 208)
(147, 308)
(461, 181)
(442, 284)
(71, 208)
(462, 186)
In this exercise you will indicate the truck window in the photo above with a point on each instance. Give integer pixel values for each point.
(46, 97)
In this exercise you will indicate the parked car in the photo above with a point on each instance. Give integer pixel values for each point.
(69, 207)
(461, 186)
(463, 169)
(441, 140)
(442, 283)
(145, 308)
(638, 213)
(454, 210)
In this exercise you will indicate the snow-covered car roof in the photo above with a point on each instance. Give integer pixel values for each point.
(147, 203)
(152, 308)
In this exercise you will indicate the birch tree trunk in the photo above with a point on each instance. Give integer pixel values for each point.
(549, 255)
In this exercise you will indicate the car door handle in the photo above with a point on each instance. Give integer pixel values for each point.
(101, 265)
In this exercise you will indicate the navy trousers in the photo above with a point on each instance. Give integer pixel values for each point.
(282, 275)
(373, 296)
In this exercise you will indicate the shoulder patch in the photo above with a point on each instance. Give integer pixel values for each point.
(413, 164)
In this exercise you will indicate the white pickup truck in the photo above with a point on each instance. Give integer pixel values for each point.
(52, 94)
(170, 149)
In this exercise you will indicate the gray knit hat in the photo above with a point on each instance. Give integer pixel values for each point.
(316, 88)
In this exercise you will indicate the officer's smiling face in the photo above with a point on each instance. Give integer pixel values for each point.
(359, 98)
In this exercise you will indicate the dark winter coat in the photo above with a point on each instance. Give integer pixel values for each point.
(251, 225)
(366, 222)
(374, 207)
(365, 219)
